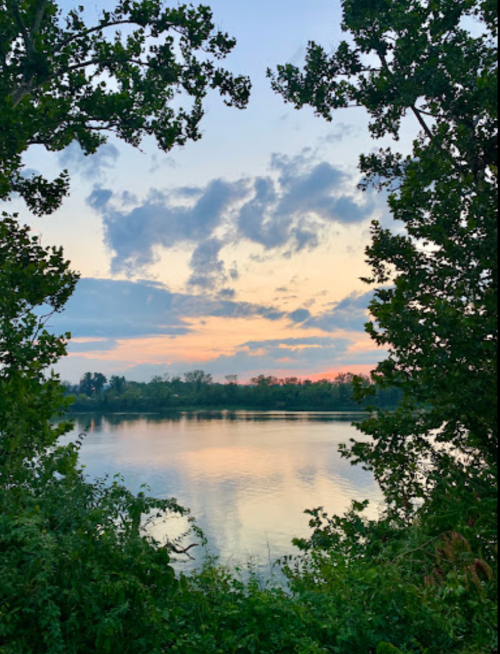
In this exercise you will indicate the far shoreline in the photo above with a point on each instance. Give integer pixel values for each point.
(205, 409)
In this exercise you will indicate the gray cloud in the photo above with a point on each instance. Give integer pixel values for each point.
(227, 293)
(296, 343)
(300, 315)
(294, 210)
(159, 161)
(91, 166)
(208, 271)
(285, 212)
(108, 310)
(350, 314)
(133, 234)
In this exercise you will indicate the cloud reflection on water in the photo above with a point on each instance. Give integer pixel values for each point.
(246, 476)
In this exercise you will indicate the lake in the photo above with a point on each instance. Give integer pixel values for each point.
(246, 476)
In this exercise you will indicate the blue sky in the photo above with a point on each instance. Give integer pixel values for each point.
(239, 254)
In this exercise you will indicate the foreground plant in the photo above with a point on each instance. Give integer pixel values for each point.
(79, 572)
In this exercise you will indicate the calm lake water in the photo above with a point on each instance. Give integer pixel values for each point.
(246, 476)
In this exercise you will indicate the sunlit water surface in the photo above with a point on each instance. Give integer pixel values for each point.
(246, 476)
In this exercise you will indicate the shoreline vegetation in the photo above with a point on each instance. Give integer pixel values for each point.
(198, 391)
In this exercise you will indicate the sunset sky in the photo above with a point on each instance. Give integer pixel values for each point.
(240, 254)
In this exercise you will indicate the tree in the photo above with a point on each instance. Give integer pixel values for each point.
(435, 308)
(435, 456)
(79, 572)
(87, 384)
(100, 382)
(263, 382)
(63, 79)
(117, 384)
(198, 379)
(35, 283)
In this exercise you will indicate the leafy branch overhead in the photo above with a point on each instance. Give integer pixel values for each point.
(410, 57)
(143, 69)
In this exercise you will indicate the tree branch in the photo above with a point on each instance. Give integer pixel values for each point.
(176, 550)
(28, 43)
(20, 93)
(26, 89)
(39, 13)
(413, 107)
(114, 23)
(422, 122)
(96, 28)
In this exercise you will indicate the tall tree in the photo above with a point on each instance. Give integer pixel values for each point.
(87, 384)
(436, 306)
(100, 382)
(65, 79)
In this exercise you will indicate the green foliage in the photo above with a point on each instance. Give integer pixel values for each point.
(400, 585)
(197, 389)
(78, 571)
(435, 308)
(386, 648)
(63, 80)
(35, 283)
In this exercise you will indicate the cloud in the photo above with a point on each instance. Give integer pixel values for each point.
(105, 345)
(208, 271)
(251, 359)
(295, 343)
(135, 234)
(287, 211)
(300, 315)
(99, 199)
(91, 166)
(107, 310)
(351, 314)
(266, 357)
(293, 210)
(159, 161)
(342, 132)
(227, 293)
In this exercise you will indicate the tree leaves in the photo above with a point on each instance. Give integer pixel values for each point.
(63, 80)
(35, 283)
(436, 456)
(438, 317)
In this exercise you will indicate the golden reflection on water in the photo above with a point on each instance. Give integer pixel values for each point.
(246, 476)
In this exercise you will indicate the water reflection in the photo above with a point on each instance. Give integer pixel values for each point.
(247, 476)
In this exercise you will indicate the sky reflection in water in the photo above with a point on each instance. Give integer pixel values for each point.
(246, 476)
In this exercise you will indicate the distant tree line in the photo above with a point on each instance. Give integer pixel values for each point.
(197, 389)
